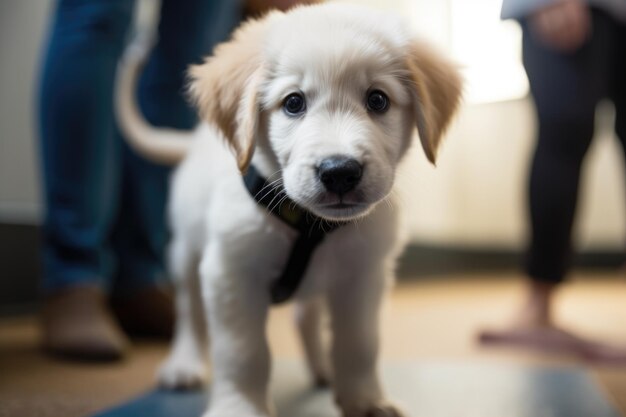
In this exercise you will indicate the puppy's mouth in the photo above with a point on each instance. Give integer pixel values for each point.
(340, 208)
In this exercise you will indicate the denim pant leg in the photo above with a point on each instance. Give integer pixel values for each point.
(187, 32)
(80, 158)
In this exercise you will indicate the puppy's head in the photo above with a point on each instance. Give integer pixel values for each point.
(333, 93)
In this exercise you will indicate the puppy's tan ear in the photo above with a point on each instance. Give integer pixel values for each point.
(436, 89)
(225, 87)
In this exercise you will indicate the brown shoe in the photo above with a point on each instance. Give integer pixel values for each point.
(77, 324)
(148, 312)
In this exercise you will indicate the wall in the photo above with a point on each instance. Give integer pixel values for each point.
(476, 194)
(22, 28)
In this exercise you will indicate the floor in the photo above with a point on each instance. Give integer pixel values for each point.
(424, 320)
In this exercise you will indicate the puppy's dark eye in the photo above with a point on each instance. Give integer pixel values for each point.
(377, 101)
(294, 104)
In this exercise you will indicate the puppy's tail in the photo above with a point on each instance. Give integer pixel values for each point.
(161, 145)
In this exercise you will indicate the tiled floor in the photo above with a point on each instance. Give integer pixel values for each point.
(425, 320)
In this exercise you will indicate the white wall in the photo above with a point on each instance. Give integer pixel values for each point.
(475, 196)
(22, 27)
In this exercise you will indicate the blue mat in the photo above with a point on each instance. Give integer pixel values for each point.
(422, 390)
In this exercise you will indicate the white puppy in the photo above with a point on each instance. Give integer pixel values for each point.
(323, 101)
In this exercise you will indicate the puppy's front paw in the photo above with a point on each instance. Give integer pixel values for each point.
(377, 410)
(182, 374)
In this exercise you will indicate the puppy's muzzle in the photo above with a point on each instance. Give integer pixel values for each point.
(339, 174)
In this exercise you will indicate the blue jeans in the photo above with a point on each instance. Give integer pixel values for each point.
(105, 206)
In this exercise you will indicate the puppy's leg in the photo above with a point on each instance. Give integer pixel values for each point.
(237, 302)
(309, 319)
(355, 303)
(186, 365)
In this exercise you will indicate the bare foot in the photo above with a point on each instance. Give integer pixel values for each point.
(534, 328)
(552, 339)
(605, 354)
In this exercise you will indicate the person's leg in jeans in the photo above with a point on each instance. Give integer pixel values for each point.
(187, 32)
(566, 87)
(83, 161)
(80, 164)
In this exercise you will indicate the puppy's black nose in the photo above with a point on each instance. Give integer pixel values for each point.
(339, 174)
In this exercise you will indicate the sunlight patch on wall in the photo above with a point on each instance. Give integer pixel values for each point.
(487, 49)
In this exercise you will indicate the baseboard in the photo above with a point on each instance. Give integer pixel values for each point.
(421, 260)
(20, 266)
(20, 263)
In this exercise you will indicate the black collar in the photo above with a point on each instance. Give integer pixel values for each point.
(312, 230)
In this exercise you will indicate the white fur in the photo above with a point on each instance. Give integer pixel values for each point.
(227, 250)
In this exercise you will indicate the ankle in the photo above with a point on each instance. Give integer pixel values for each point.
(537, 309)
